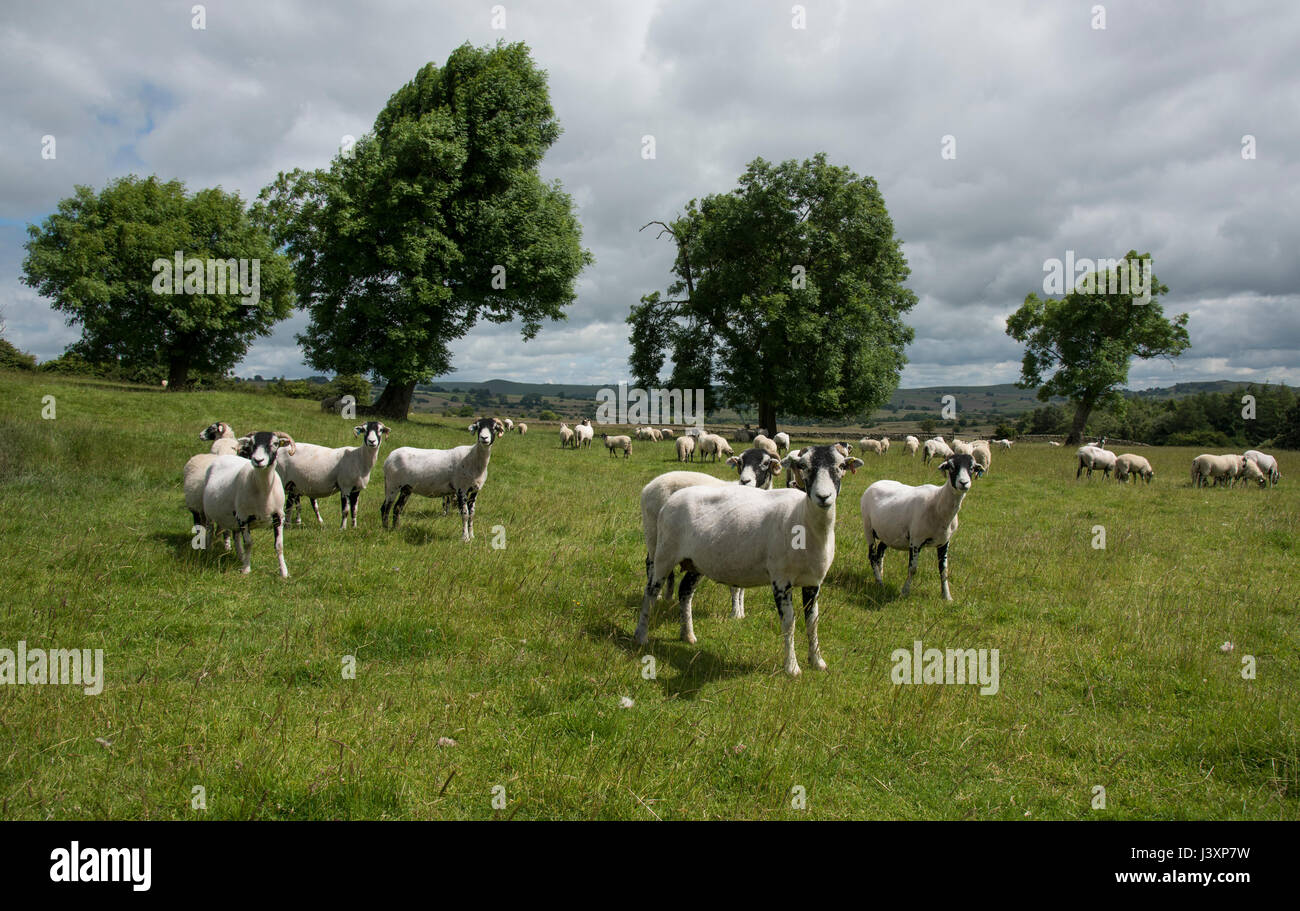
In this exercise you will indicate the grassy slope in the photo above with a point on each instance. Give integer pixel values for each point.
(1110, 660)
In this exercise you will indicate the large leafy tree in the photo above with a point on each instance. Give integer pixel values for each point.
(436, 219)
(788, 296)
(94, 258)
(1080, 346)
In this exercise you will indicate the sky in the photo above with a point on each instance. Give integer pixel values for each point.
(1061, 136)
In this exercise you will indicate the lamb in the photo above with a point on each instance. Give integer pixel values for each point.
(1133, 464)
(983, 455)
(685, 449)
(912, 518)
(714, 445)
(318, 471)
(583, 435)
(755, 468)
(933, 448)
(911, 444)
(1267, 464)
(461, 471)
(622, 442)
(742, 537)
(782, 441)
(222, 437)
(1003, 444)
(767, 445)
(243, 491)
(522, 428)
(1094, 457)
(867, 444)
(567, 437)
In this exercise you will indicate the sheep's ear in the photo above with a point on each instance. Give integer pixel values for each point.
(853, 465)
(733, 461)
(979, 470)
(244, 445)
(470, 428)
(383, 429)
(946, 466)
(359, 429)
(773, 465)
(286, 440)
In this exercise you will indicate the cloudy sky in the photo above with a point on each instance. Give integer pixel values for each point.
(1067, 137)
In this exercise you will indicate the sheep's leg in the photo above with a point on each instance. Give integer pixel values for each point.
(401, 503)
(238, 538)
(737, 603)
(343, 502)
(244, 537)
(652, 589)
(876, 554)
(914, 557)
(352, 501)
(785, 611)
(943, 571)
(1078, 471)
(473, 495)
(810, 614)
(277, 530)
(685, 593)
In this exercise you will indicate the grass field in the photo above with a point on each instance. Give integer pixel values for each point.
(1111, 669)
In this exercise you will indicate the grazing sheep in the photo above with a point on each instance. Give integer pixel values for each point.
(1228, 468)
(508, 424)
(1094, 457)
(222, 437)
(1053, 443)
(866, 444)
(331, 403)
(1133, 464)
(622, 442)
(583, 435)
(912, 518)
(241, 492)
(522, 428)
(983, 455)
(1003, 444)
(318, 471)
(667, 433)
(782, 441)
(567, 437)
(884, 444)
(685, 449)
(714, 445)
(1250, 471)
(911, 444)
(960, 447)
(1267, 464)
(461, 472)
(935, 448)
(742, 537)
(768, 446)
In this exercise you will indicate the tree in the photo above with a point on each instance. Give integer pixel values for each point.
(788, 295)
(1089, 337)
(100, 258)
(436, 219)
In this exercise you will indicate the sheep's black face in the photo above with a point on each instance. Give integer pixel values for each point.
(214, 431)
(755, 467)
(961, 470)
(260, 447)
(372, 433)
(486, 429)
(823, 468)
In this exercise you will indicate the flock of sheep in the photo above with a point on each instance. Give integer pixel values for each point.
(740, 533)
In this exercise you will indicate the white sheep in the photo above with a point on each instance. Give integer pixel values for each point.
(911, 444)
(623, 442)
(567, 437)
(314, 472)
(714, 445)
(1267, 464)
(583, 435)
(884, 444)
(243, 493)
(782, 441)
(522, 428)
(222, 437)
(1228, 468)
(935, 448)
(1093, 457)
(983, 455)
(960, 447)
(667, 433)
(767, 445)
(508, 424)
(912, 518)
(1130, 464)
(459, 472)
(1003, 444)
(866, 444)
(744, 537)
(1053, 443)
(685, 449)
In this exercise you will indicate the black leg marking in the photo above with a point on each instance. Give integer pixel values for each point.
(809, 599)
(943, 560)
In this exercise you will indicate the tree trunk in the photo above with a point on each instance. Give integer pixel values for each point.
(1081, 414)
(178, 370)
(767, 417)
(393, 403)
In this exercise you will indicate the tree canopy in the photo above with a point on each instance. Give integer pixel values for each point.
(435, 220)
(787, 295)
(1080, 346)
(97, 259)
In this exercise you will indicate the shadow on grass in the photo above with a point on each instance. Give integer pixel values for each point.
(181, 544)
(694, 664)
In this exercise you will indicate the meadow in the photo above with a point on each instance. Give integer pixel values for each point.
(493, 682)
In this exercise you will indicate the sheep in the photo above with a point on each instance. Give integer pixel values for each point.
(767, 445)
(318, 471)
(1003, 444)
(461, 471)
(622, 442)
(1267, 464)
(583, 434)
(694, 431)
(714, 445)
(243, 491)
(782, 441)
(933, 448)
(867, 444)
(960, 447)
(1053, 443)
(567, 437)
(508, 424)
(222, 437)
(330, 403)
(1133, 464)
(192, 477)
(1094, 457)
(755, 469)
(667, 433)
(983, 455)
(742, 537)
(911, 444)
(884, 444)
(685, 449)
(1225, 468)
(912, 518)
